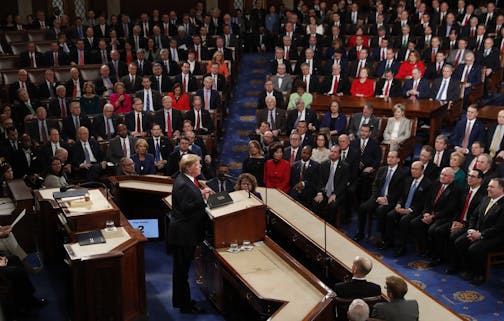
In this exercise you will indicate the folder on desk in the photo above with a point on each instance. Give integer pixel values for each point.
(71, 193)
(88, 238)
(219, 199)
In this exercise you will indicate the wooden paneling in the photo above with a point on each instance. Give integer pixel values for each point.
(136, 7)
(9, 7)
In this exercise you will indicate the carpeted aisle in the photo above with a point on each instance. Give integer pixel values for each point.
(241, 118)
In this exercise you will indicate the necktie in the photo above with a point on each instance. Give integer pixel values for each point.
(169, 130)
(489, 206)
(104, 57)
(465, 74)
(330, 182)
(303, 168)
(198, 121)
(286, 53)
(81, 57)
(298, 119)
(472, 32)
(124, 148)
(159, 83)
(196, 182)
(387, 182)
(465, 141)
(439, 193)
(415, 85)
(214, 85)
(433, 56)
(437, 158)
(363, 146)
(77, 122)
(125, 30)
(207, 99)
(361, 65)
(63, 108)
(335, 86)
(107, 128)
(74, 92)
(271, 120)
(495, 141)
(458, 57)
(441, 91)
(56, 62)
(196, 54)
(43, 132)
(165, 29)
(87, 157)
(293, 157)
(138, 124)
(23, 84)
(411, 194)
(147, 102)
(184, 83)
(463, 214)
(33, 62)
(157, 157)
(387, 88)
(382, 54)
(343, 155)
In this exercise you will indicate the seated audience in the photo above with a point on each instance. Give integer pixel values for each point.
(304, 177)
(398, 128)
(120, 99)
(300, 93)
(408, 65)
(335, 120)
(398, 308)
(248, 183)
(253, 164)
(55, 176)
(126, 167)
(180, 101)
(223, 182)
(358, 287)
(456, 163)
(321, 151)
(276, 169)
(358, 311)
(362, 86)
(120, 146)
(144, 162)
(388, 86)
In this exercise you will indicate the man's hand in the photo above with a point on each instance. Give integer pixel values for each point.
(3, 261)
(103, 165)
(456, 225)
(331, 199)
(382, 200)
(86, 166)
(5, 231)
(427, 218)
(319, 198)
(473, 235)
(160, 164)
(368, 169)
(207, 191)
(208, 159)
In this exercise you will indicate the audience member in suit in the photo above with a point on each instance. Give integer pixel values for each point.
(279, 59)
(311, 61)
(117, 67)
(219, 80)
(460, 140)
(73, 121)
(431, 170)
(435, 221)
(495, 143)
(201, 52)
(160, 81)
(31, 58)
(87, 156)
(26, 160)
(102, 29)
(388, 63)
(174, 128)
(359, 119)
(446, 88)
(456, 57)
(336, 84)
(295, 116)
(74, 85)
(469, 73)
(55, 57)
(144, 66)
(90, 41)
(25, 109)
(40, 126)
(80, 54)
(105, 84)
(363, 61)
(172, 167)
(472, 197)
(151, 98)
(104, 124)
(201, 118)
(273, 115)
(416, 87)
(210, 97)
(409, 206)
(123, 145)
(334, 176)
(11, 146)
(132, 81)
(435, 70)
(270, 91)
(485, 232)
(24, 83)
(388, 86)
(354, 52)
(471, 159)
(292, 153)
(138, 121)
(48, 150)
(398, 309)
(185, 78)
(282, 81)
(387, 188)
(488, 57)
(304, 177)
(219, 43)
(59, 107)
(358, 287)
(160, 146)
(187, 229)
(47, 88)
(223, 182)
(144, 162)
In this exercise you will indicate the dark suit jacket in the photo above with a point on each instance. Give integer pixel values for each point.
(130, 121)
(99, 127)
(69, 131)
(100, 85)
(32, 90)
(443, 28)
(423, 88)
(24, 59)
(357, 289)
(215, 98)
(432, 73)
(98, 32)
(20, 111)
(477, 132)
(215, 182)
(122, 68)
(352, 53)
(177, 119)
(221, 81)
(287, 154)
(55, 108)
(261, 103)
(491, 225)
(43, 90)
(88, 57)
(228, 54)
(192, 85)
(394, 91)
(62, 58)
(453, 91)
(132, 87)
(310, 117)
(310, 180)
(491, 61)
(395, 187)
(372, 153)
(489, 137)
(448, 205)
(69, 84)
(78, 156)
(165, 147)
(380, 70)
(343, 85)
(354, 66)
(340, 181)
(146, 68)
(172, 167)
(314, 83)
(156, 98)
(148, 166)
(206, 121)
(166, 84)
(115, 150)
(280, 119)
(474, 77)
(421, 193)
(397, 310)
(432, 170)
(274, 66)
(473, 205)
(34, 129)
(354, 127)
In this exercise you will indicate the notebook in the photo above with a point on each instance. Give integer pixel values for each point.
(71, 193)
(88, 238)
(219, 199)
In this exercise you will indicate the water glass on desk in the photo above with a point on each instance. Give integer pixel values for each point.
(233, 246)
(110, 226)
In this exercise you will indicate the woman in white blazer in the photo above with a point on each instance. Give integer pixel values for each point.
(398, 128)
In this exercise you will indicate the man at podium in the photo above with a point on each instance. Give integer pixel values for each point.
(187, 224)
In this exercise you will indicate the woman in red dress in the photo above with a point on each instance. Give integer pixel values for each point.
(363, 86)
(408, 65)
(276, 169)
(180, 100)
(359, 31)
(120, 99)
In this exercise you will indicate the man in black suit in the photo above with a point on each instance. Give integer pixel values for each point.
(31, 58)
(270, 91)
(430, 169)
(102, 29)
(123, 145)
(446, 88)
(105, 84)
(218, 80)
(160, 146)
(49, 149)
(362, 61)
(151, 98)
(138, 121)
(388, 86)
(358, 287)
(186, 79)
(435, 70)
(279, 59)
(201, 118)
(309, 81)
(301, 114)
(292, 153)
(117, 66)
(90, 41)
(219, 44)
(211, 98)
(136, 39)
(132, 81)
(200, 51)
(47, 87)
(304, 178)
(40, 126)
(87, 155)
(274, 116)
(359, 119)
(144, 67)
(170, 120)
(172, 167)
(387, 188)
(488, 57)
(80, 55)
(410, 205)
(25, 109)
(354, 52)
(74, 85)
(104, 125)
(485, 232)
(73, 121)
(312, 62)
(334, 175)
(472, 197)
(25, 83)
(187, 229)
(160, 82)
(55, 57)
(335, 84)
(59, 107)
(222, 182)
(416, 87)
(430, 228)
(390, 62)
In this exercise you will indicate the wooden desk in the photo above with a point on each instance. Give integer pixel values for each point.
(488, 114)
(421, 108)
(290, 218)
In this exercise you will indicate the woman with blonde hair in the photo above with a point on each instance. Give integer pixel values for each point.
(218, 58)
(398, 128)
(144, 162)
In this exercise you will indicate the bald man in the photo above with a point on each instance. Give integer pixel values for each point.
(358, 287)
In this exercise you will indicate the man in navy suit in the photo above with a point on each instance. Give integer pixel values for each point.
(211, 98)
(301, 114)
(446, 88)
(104, 124)
(138, 121)
(358, 287)
(468, 73)
(87, 156)
(132, 81)
(73, 122)
(175, 116)
(186, 79)
(223, 182)
(304, 177)
(56, 57)
(417, 86)
(468, 130)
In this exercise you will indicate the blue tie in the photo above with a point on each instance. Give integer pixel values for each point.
(441, 90)
(86, 155)
(410, 194)
(157, 157)
(147, 102)
(387, 182)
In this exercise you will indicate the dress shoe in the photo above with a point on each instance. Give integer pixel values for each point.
(400, 251)
(450, 270)
(435, 262)
(478, 280)
(194, 309)
(358, 237)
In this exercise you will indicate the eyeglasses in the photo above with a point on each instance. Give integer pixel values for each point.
(473, 176)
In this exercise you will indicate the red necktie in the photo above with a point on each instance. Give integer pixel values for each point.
(415, 84)
(472, 32)
(184, 88)
(457, 58)
(433, 56)
(438, 68)
(196, 183)
(466, 20)
(387, 88)
(475, 166)
(63, 109)
(335, 86)
(23, 84)
(293, 157)
(169, 131)
(125, 149)
(466, 207)
(287, 53)
(439, 193)
(81, 57)
(74, 93)
(138, 124)
(198, 121)
(382, 54)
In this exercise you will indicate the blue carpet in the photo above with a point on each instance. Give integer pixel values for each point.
(241, 118)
